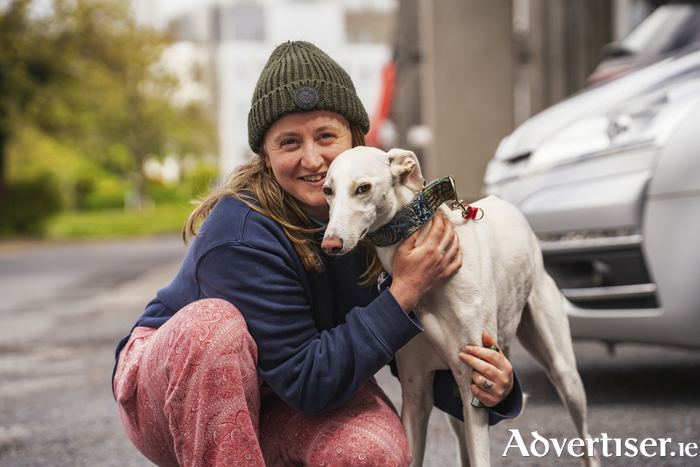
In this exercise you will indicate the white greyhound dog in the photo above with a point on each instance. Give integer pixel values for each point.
(502, 288)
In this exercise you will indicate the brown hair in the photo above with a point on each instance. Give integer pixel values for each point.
(254, 183)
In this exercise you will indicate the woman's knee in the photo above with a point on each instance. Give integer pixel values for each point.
(208, 337)
(208, 326)
(206, 314)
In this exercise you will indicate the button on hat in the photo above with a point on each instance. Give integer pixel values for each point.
(306, 97)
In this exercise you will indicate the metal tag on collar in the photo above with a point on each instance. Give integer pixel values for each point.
(468, 212)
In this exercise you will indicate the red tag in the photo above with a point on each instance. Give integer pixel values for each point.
(470, 212)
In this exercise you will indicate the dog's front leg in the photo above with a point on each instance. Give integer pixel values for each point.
(476, 426)
(415, 362)
(458, 428)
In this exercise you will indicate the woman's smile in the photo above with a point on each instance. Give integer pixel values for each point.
(315, 178)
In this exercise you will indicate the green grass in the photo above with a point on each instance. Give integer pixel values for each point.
(163, 218)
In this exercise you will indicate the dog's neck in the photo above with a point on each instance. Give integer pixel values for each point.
(415, 214)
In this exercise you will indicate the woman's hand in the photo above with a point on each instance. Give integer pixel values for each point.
(493, 373)
(419, 269)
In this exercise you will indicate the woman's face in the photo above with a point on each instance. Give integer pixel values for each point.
(300, 147)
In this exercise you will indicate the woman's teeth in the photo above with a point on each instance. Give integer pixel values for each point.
(313, 178)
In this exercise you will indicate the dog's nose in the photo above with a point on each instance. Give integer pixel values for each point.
(332, 245)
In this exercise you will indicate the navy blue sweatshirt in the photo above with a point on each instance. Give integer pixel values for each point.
(319, 336)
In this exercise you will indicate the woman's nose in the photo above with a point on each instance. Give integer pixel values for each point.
(312, 158)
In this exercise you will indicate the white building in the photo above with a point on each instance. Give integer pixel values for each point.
(241, 35)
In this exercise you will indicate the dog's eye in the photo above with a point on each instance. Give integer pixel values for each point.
(364, 188)
(327, 191)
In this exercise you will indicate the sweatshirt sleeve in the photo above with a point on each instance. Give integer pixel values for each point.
(446, 401)
(310, 370)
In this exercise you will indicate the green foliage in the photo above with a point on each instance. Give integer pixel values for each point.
(203, 179)
(32, 153)
(166, 218)
(105, 193)
(27, 62)
(106, 215)
(28, 204)
(85, 99)
(195, 185)
(175, 194)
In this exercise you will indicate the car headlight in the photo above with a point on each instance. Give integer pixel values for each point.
(629, 125)
(585, 136)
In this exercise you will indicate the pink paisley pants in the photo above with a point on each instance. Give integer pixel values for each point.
(189, 395)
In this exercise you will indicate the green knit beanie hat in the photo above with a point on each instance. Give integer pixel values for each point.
(299, 77)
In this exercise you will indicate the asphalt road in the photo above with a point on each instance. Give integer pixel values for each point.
(64, 307)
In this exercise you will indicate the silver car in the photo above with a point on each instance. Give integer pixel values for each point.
(610, 182)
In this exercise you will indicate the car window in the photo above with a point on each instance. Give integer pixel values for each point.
(667, 28)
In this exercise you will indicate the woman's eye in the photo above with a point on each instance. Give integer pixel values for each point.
(364, 188)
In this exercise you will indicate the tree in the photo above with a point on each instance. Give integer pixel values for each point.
(27, 63)
(99, 88)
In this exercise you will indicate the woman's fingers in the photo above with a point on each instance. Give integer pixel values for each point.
(489, 397)
(493, 373)
(419, 268)
(488, 340)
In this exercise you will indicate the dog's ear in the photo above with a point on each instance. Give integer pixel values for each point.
(404, 164)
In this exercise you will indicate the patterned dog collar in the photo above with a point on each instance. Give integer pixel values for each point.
(419, 211)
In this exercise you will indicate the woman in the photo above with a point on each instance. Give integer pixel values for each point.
(262, 350)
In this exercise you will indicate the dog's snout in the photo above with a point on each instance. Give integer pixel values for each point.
(332, 245)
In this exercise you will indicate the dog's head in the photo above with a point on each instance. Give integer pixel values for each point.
(365, 187)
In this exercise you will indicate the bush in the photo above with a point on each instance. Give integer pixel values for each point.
(198, 183)
(163, 194)
(106, 193)
(203, 180)
(27, 204)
